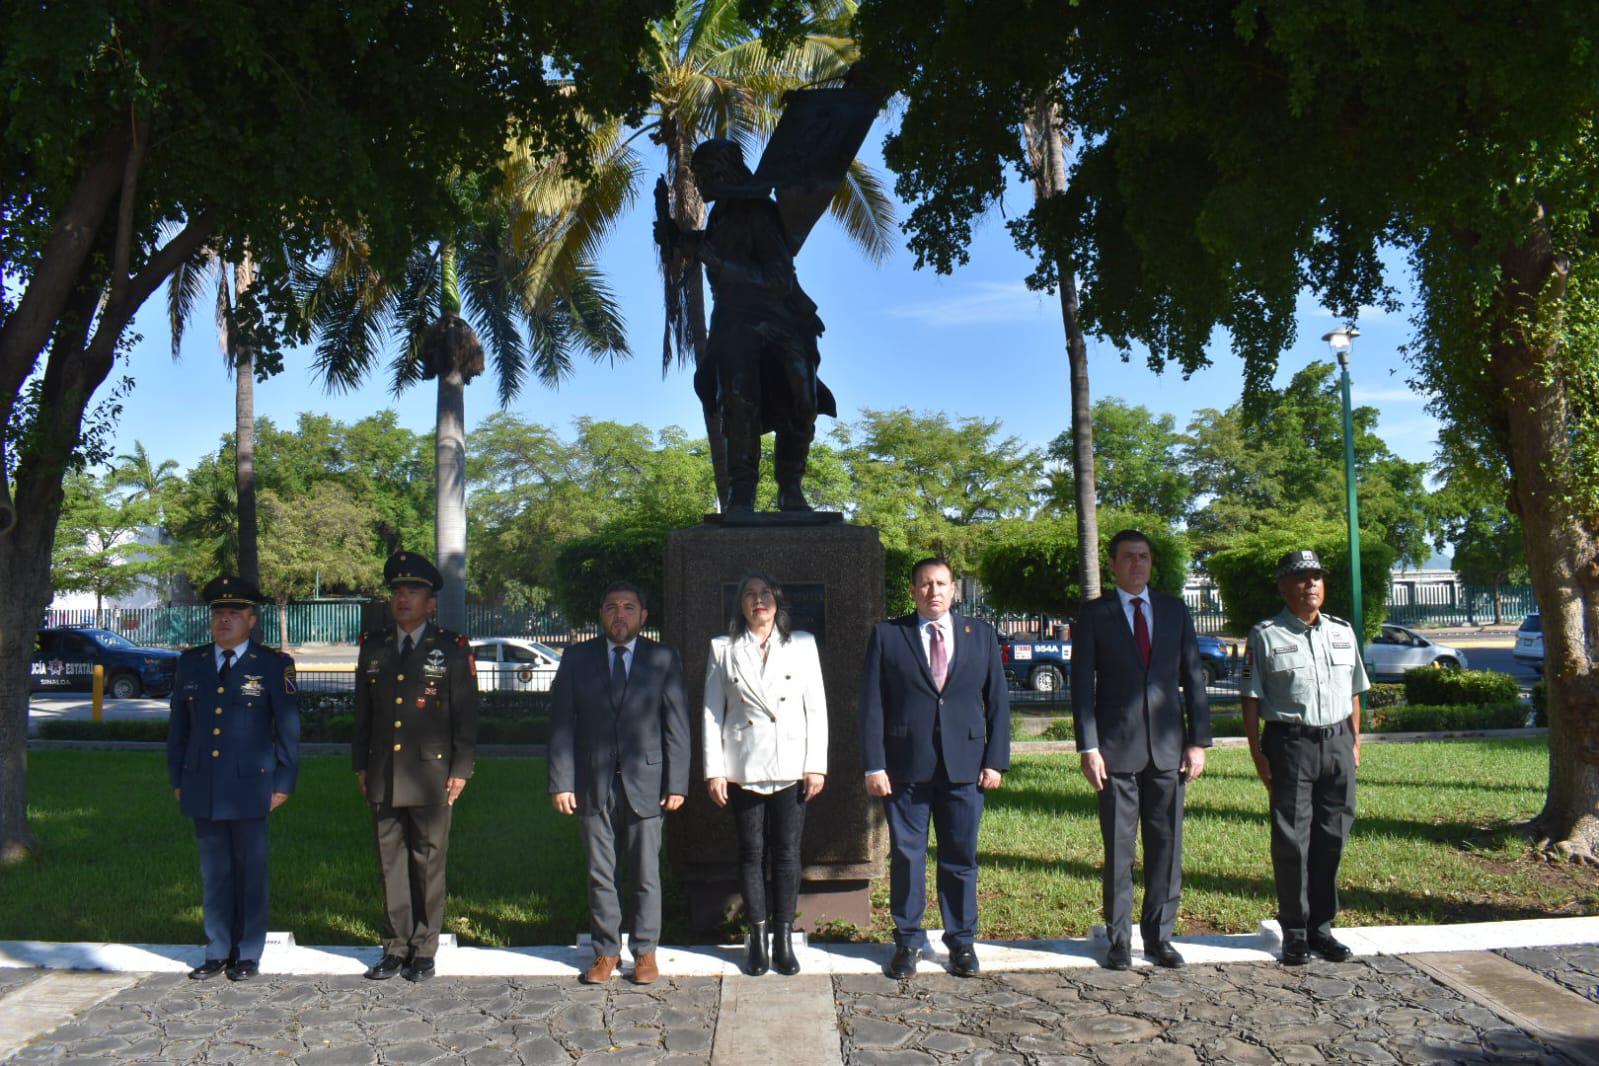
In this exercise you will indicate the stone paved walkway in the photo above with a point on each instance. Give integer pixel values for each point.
(348, 1021)
(1375, 1010)
(1378, 1009)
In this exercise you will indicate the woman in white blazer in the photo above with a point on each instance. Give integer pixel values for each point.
(766, 756)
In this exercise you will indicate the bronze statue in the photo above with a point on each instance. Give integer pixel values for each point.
(759, 366)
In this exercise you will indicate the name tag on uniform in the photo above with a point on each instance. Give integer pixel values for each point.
(251, 686)
(374, 667)
(434, 665)
(1342, 642)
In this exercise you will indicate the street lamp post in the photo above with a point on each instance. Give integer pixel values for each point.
(1341, 340)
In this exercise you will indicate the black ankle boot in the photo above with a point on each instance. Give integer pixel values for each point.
(756, 961)
(783, 960)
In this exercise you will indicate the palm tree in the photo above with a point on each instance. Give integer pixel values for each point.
(1044, 134)
(516, 284)
(713, 77)
(143, 476)
(232, 282)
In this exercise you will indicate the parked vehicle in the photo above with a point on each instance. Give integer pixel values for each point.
(64, 659)
(1045, 665)
(1529, 641)
(514, 664)
(1397, 649)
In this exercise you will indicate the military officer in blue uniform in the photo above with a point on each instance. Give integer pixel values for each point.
(414, 748)
(1303, 677)
(233, 753)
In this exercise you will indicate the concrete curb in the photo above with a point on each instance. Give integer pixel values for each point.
(283, 956)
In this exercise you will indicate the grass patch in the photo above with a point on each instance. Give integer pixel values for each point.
(1432, 843)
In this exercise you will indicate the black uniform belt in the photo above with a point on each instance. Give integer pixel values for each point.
(1311, 732)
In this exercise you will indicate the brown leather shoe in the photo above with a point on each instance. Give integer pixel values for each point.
(644, 969)
(604, 966)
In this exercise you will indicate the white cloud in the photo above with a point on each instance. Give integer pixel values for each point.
(977, 303)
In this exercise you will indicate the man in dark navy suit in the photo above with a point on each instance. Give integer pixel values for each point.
(233, 753)
(415, 746)
(1139, 742)
(619, 755)
(935, 728)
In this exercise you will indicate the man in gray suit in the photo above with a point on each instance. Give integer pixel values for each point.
(1139, 742)
(619, 758)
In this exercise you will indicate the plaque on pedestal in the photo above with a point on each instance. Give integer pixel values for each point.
(833, 576)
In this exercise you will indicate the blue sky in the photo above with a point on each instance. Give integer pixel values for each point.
(975, 343)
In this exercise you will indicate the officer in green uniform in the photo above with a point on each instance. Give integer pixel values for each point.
(1303, 678)
(414, 747)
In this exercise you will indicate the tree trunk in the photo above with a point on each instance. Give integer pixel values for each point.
(1499, 617)
(283, 623)
(1562, 554)
(1046, 149)
(242, 360)
(449, 528)
(688, 211)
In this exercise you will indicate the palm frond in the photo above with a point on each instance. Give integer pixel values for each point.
(184, 288)
(488, 289)
(596, 322)
(416, 307)
(865, 210)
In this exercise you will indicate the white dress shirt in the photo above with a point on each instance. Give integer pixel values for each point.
(627, 655)
(414, 634)
(1145, 607)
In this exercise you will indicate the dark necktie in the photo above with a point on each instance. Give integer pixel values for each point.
(618, 674)
(407, 646)
(227, 663)
(937, 656)
(1141, 631)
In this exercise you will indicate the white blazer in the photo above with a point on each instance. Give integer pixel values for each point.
(766, 726)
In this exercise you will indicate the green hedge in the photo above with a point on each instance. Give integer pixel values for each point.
(1455, 687)
(322, 728)
(1422, 718)
(1383, 694)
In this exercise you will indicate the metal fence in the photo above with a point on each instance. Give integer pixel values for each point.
(1413, 603)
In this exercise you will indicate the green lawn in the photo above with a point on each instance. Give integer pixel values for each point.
(1431, 844)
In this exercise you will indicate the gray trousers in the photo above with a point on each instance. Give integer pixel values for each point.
(623, 850)
(412, 845)
(1312, 808)
(1151, 799)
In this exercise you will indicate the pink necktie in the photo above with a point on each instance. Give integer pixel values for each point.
(1141, 631)
(937, 657)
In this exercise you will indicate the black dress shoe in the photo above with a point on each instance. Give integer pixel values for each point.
(244, 970)
(903, 964)
(1330, 949)
(1161, 953)
(385, 968)
(1296, 952)
(1120, 956)
(963, 960)
(418, 970)
(208, 969)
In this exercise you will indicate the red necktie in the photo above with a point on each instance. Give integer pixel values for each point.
(937, 658)
(1141, 631)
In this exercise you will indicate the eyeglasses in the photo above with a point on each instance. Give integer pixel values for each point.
(758, 595)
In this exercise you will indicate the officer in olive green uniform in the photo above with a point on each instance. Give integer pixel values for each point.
(414, 748)
(1303, 677)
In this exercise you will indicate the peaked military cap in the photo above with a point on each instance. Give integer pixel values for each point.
(1298, 563)
(230, 591)
(409, 568)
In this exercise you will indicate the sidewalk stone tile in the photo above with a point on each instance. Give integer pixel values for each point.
(1230, 1049)
(542, 1051)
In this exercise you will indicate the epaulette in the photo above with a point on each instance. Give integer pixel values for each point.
(463, 642)
(1335, 618)
(362, 639)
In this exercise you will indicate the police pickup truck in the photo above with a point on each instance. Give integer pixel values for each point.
(1046, 665)
(64, 660)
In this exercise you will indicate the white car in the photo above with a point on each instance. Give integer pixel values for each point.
(1529, 642)
(513, 664)
(1398, 649)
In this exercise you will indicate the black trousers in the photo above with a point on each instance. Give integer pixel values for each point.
(769, 825)
(1312, 808)
(1150, 801)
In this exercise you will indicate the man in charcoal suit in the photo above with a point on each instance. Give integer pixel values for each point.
(619, 758)
(1139, 741)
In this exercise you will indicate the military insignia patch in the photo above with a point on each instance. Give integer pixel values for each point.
(251, 686)
(289, 676)
(434, 666)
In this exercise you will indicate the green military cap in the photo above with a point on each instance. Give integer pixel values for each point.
(230, 591)
(1298, 563)
(409, 568)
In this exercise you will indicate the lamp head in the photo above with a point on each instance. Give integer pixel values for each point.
(1341, 340)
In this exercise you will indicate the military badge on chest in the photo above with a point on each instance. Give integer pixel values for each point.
(433, 667)
(251, 686)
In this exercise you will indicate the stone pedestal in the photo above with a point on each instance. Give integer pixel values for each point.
(832, 575)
